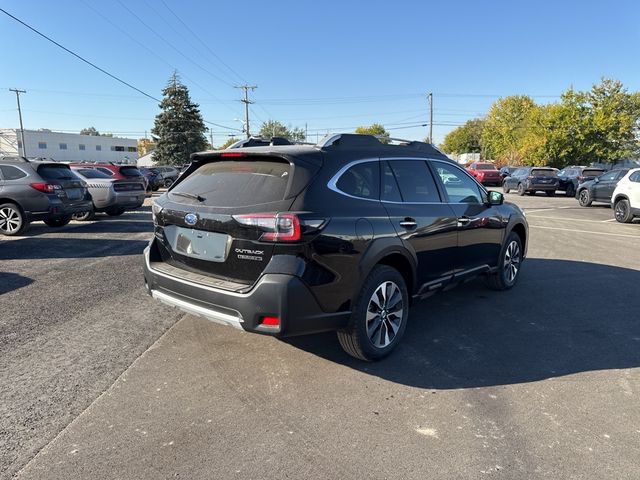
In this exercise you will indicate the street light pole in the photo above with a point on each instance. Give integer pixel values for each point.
(24, 147)
(430, 97)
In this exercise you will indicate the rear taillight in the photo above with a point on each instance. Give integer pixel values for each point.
(46, 187)
(278, 227)
(272, 322)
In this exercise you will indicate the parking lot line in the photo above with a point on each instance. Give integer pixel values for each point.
(544, 209)
(572, 230)
(570, 219)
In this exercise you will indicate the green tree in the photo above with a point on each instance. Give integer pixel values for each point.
(374, 129)
(179, 129)
(464, 139)
(95, 133)
(228, 143)
(505, 127)
(274, 128)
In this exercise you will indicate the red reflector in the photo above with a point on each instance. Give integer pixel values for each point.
(232, 154)
(270, 321)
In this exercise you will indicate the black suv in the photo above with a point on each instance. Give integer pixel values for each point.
(600, 189)
(531, 180)
(343, 235)
(36, 190)
(571, 177)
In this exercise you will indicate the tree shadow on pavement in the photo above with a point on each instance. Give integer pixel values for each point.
(563, 317)
(12, 281)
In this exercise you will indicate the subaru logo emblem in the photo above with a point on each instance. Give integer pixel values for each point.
(191, 219)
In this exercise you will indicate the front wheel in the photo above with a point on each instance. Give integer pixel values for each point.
(521, 190)
(622, 211)
(83, 216)
(571, 190)
(584, 198)
(168, 182)
(12, 220)
(58, 222)
(509, 265)
(505, 188)
(379, 316)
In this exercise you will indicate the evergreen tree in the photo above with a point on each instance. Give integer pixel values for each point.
(179, 129)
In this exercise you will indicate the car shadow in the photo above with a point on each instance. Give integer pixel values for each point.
(102, 224)
(562, 318)
(12, 281)
(34, 248)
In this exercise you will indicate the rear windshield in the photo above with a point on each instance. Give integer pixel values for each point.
(130, 172)
(484, 166)
(92, 173)
(543, 172)
(592, 172)
(56, 172)
(237, 184)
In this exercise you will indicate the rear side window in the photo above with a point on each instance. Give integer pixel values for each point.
(236, 184)
(130, 172)
(415, 181)
(55, 172)
(11, 173)
(362, 180)
(635, 177)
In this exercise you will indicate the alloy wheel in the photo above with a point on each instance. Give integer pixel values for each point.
(620, 212)
(10, 220)
(384, 314)
(511, 261)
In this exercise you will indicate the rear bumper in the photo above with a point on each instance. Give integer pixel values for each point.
(274, 295)
(58, 209)
(491, 181)
(133, 199)
(542, 187)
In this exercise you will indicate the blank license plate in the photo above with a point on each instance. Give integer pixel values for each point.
(200, 244)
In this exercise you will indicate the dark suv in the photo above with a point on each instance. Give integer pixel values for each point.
(343, 235)
(531, 180)
(600, 188)
(571, 177)
(33, 190)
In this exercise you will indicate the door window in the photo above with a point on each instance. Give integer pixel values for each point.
(459, 186)
(415, 181)
(608, 177)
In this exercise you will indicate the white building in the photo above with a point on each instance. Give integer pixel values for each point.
(146, 160)
(71, 147)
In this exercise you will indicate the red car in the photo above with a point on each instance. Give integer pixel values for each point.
(486, 173)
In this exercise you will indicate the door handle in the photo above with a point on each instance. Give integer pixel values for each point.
(462, 221)
(408, 223)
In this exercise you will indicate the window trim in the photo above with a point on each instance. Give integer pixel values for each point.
(332, 184)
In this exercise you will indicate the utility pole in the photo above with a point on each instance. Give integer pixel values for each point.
(430, 99)
(211, 138)
(18, 92)
(247, 102)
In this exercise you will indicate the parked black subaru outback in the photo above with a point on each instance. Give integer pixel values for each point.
(343, 235)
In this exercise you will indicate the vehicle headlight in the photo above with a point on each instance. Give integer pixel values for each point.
(155, 211)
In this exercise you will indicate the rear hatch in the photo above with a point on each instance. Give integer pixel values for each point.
(225, 216)
(70, 188)
(590, 174)
(544, 176)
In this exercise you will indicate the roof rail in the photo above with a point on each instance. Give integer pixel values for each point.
(11, 158)
(354, 139)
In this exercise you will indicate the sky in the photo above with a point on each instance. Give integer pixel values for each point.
(325, 66)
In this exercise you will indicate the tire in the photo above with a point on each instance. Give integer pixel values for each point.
(114, 212)
(84, 216)
(168, 182)
(622, 211)
(571, 190)
(12, 220)
(509, 265)
(155, 189)
(584, 198)
(505, 188)
(521, 190)
(550, 193)
(58, 222)
(370, 338)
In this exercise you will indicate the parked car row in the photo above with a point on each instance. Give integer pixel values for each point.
(55, 192)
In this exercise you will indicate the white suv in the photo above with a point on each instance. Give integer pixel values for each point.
(626, 197)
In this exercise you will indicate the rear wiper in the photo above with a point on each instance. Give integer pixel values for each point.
(190, 195)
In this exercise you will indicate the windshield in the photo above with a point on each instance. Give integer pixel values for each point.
(55, 172)
(543, 172)
(91, 173)
(485, 166)
(237, 184)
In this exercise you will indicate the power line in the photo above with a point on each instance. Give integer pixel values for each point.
(79, 57)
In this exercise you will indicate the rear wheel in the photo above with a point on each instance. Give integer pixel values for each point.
(379, 316)
(550, 193)
(505, 188)
(571, 190)
(58, 222)
(509, 266)
(168, 182)
(622, 211)
(114, 212)
(12, 220)
(521, 190)
(84, 216)
(584, 198)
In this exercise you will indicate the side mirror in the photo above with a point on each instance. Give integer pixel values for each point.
(596, 180)
(495, 198)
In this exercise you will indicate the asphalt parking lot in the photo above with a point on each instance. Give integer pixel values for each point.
(99, 381)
